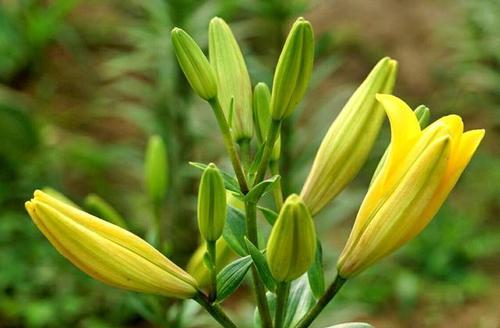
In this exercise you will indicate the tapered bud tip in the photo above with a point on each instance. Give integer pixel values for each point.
(212, 166)
(216, 19)
(28, 206)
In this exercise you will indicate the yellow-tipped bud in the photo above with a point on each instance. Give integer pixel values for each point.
(293, 70)
(421, 168)
(262, 117)
(156, 169)
(349, 139)
(292, 244)
(212, 208)
(107, 252)
(194, 64)
(233, 81)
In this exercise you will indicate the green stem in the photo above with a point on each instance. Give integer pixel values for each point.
(281, 300)
(245, 151)
(260, 291)
(272, 135)
(228, 141)
(329, 294)
(158, 227)
(211, 249)
(215, 311)
(277, 190)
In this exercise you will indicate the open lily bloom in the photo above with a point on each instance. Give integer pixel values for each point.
(107, 252)
(421, 169)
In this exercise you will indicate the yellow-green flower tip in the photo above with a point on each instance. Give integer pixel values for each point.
(107, 252)
(156, 169)
(350, 138)
(292, 244)
(233, 80)
(194, 64)
(212, 207)
(421, 168)
(293, 71)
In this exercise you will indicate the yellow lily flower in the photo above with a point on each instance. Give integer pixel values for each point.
(422, 167)
(107, 252)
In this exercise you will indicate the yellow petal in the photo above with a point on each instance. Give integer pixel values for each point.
(394, 218)
(469, 142)
(405, 131)
(455, 127)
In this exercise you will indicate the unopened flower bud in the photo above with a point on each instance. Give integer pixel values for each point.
(211, 204)
(293, 70)
(262, 117)
(292, 244)
(423, 115)
(156, 169)
(99, 207)
(349, 139)
(194, 64)
(107, 252)
(233, 81)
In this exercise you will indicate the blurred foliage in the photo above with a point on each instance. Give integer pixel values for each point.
(83, 85)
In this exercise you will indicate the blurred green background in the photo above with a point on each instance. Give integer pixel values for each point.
(83, 84)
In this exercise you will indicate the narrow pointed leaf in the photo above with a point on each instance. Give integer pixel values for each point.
(234, 231)
(316, 274)
(231, 277)
(260, 189)
(269, 214)
(261, 264)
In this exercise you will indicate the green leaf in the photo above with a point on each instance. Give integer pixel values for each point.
(234, 231)
(261, 264)
(269, 214)
(316, 274)
(230, 278)
(301, 299)
(230, 182)
(352, 325)
(260, 189)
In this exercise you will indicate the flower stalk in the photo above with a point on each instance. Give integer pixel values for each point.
(329, 294)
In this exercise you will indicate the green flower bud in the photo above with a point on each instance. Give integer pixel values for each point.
(292, 244)
(233, 81)
(423, 114)
(156, 169)
(98, 206)
(262, 117)
(349, 139)
(293, 70)
(211, 204)
(194, 64)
